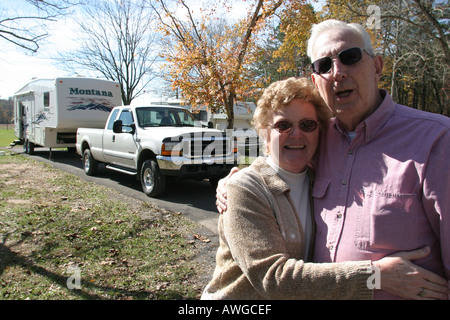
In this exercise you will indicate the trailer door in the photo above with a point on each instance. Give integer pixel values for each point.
(24, 116)
(19, 109)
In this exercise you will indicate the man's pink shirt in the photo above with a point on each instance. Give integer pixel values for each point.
(385, 191)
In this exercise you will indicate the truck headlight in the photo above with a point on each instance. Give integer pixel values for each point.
(172, 149)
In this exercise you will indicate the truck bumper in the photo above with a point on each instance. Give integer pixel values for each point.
(202, 168)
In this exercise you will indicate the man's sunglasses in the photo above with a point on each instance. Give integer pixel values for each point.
(304, 125)
(347, 57)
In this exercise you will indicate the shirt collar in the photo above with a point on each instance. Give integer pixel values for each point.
(269, 175)
(272, 179)
(372, 125)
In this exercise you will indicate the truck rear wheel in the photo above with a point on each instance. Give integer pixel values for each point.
(90, 165)
(152, 181)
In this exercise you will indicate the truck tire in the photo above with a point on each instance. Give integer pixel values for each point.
(152, 181)
(90, 165)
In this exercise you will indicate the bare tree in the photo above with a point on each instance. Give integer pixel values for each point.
(414, 41)
(118, 40)
(209, 61)
(26, 29)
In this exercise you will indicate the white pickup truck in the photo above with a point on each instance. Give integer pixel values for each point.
(154, 143)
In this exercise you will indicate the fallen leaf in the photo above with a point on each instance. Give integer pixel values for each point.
(108, 261)
(201, 238)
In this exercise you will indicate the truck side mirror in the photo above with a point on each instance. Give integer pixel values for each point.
(117, 126)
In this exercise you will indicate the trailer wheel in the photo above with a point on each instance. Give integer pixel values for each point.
(90, 165)
(29, 147)
(152, 181)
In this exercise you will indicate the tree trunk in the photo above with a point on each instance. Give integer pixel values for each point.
(230, 110)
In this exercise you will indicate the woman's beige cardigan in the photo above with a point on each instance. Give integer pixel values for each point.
(261, 248)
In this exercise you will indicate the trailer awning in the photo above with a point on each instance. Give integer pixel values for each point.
(24, 93)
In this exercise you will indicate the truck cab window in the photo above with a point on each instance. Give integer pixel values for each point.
(127, 118)
(112, 119)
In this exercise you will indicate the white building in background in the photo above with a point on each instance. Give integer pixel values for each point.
(243, 115)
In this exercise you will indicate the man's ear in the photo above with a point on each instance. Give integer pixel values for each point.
(378, 64)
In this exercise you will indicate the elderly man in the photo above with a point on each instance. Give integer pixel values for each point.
(382, 182)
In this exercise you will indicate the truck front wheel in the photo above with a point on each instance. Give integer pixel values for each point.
(153, 182)
(90, 165)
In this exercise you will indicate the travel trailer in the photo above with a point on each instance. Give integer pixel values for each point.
(48, 112)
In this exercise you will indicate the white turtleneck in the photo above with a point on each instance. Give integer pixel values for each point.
(299, 185)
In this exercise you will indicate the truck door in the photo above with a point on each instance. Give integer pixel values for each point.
(120, 148)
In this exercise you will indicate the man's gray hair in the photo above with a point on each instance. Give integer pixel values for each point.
(318, 29)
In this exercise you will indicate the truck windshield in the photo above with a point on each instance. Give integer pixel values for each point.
(161, 116)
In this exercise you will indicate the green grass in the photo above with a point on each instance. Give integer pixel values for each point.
(6, 136)
(56, 227)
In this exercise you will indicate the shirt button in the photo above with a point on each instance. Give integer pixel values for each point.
(330, 247)
(350, 152)
(339, 215)
(344, 183)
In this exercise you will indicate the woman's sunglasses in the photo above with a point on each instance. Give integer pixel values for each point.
(347, 57)
(304, 125)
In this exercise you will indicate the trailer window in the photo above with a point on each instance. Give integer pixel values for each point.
(46, 101)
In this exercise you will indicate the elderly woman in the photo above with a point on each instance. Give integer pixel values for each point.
(267, 233)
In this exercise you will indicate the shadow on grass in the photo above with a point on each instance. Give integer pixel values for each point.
(9, 258)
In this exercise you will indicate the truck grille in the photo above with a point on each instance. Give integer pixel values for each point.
(203, 146)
